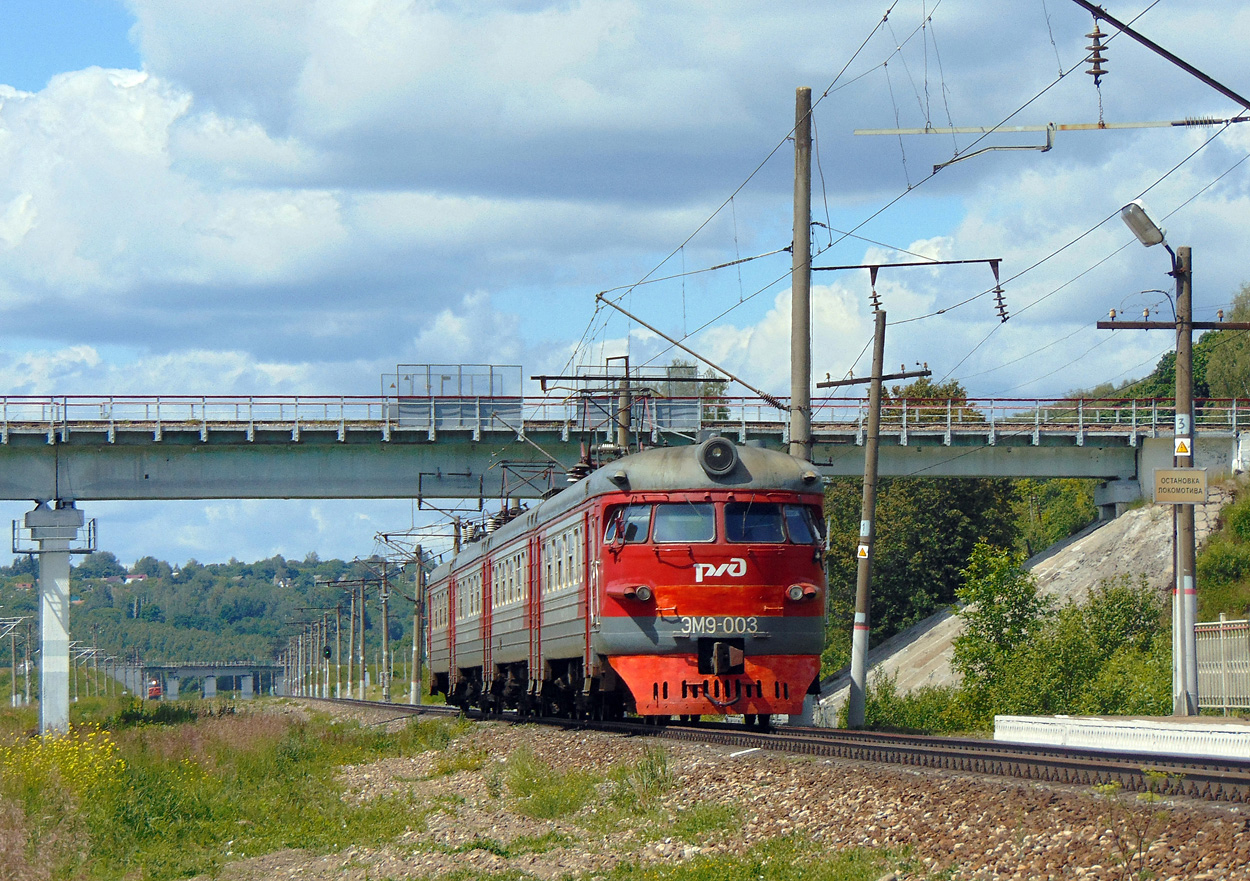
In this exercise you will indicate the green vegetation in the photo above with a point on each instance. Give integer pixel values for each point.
(1224, 565)
(171, 800)
(541, 791)
(783, 859)
(1018, 655)
(223, 611)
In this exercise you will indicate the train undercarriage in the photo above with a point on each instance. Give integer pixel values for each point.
(564, 691)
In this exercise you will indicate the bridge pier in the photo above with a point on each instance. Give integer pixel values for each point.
(1114, 497)
(245, 687)
(54, 529)
(171, 688)
(210, 687)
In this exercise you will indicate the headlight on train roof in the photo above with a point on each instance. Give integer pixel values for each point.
(717, 456)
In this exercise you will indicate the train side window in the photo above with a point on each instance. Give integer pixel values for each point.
(684, 522)
(628, 523)
(754, 522)
(801, 526)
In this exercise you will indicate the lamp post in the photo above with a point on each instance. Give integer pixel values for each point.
(1184, 588)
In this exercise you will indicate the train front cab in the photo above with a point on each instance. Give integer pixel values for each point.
(713, 602)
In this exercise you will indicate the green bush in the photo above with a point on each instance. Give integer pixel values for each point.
(1110, 654)
(928, 709)
(1237, 519)
(1223, 562)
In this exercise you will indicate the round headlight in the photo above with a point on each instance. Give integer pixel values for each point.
(795, 592)
(718, 456)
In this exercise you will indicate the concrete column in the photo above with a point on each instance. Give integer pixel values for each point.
(54, 529)
(246, 688)
(210, 686)
(171, 688)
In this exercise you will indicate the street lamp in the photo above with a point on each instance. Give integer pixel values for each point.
(1184, 588)
(1135, 216)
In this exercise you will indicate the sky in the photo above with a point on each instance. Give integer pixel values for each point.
(294, 196)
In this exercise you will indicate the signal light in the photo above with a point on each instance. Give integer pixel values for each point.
(325, 653)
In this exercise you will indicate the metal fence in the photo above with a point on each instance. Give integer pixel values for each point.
(1223, 664)
(454, 399)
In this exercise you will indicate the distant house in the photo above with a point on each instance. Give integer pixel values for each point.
(24, 585)
(113, 579)
(132, 577)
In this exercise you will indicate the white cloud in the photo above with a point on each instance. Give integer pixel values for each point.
(294, 195)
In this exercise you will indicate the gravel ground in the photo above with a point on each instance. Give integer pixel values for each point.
(961, 827)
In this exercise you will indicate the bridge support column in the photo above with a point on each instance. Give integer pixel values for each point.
(54, 529)
(1114, 497)
(245, 687)
(171, 688)
(210, 687)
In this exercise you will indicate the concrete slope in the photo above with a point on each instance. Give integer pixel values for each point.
(1139, 542)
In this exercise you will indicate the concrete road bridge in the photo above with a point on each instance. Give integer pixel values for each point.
(88, 448)
(60, 451)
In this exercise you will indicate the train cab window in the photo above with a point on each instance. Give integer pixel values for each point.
(684, 522)
(804, 529)
(628, 523)
(754, 522)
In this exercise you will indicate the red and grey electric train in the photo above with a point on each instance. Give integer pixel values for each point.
(675, 581)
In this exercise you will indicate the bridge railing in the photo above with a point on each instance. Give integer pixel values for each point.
(27, 413)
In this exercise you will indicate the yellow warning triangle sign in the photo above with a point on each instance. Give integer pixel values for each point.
(862, 553)
(1182, 446)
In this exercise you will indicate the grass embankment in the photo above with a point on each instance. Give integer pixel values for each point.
(172, 790)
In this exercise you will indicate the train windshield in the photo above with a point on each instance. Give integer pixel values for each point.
(685, 522)
(628, 523)
(801, 525)
(755, 522)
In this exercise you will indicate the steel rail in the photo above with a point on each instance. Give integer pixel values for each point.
(1196, 777)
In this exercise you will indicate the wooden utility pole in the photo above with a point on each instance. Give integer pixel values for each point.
(801, 282)
(867, 523)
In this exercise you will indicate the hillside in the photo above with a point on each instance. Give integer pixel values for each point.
(1138, 542)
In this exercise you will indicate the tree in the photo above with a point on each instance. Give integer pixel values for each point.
(680, 384)
(1002, 609)
(1228, 369)
(100, 564)
(1048, 511)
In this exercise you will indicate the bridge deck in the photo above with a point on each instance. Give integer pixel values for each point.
(170, 447)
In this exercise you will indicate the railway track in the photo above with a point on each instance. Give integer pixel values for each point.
(1224, 780)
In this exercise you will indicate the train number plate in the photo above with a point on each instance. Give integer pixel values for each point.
(718, 625)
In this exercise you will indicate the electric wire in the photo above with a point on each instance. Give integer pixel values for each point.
(1064, 247)
(853, 232)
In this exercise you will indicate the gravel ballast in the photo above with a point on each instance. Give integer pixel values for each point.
(949, 826)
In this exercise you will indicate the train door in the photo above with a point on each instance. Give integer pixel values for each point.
(534, 609)
(590, 564)
(488, 605)
(590, 577)
(453, 591)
